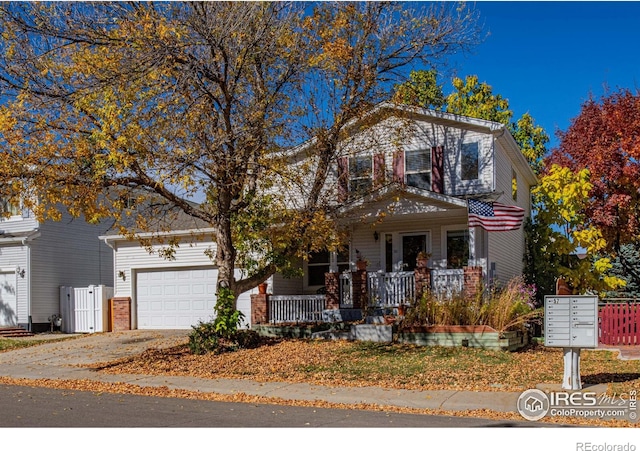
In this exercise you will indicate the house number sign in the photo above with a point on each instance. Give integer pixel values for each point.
(571, 321)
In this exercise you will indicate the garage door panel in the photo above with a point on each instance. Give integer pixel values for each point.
(175, 298)
(8, 299)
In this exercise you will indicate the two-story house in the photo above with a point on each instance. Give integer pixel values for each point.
(401, 186)
(37, 258)
(403, 183)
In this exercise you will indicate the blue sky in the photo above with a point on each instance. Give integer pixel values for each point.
(547, 57)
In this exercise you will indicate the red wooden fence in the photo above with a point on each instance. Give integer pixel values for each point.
(620, 324)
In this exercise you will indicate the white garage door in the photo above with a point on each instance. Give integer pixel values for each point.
(8, 299)
(175, 299)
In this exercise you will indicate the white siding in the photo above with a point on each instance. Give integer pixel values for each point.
(130, 255)
(506, 249)
(67, 253)
(17, 224)
(280, 285)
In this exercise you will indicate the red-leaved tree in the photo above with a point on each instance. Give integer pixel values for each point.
(605, 138)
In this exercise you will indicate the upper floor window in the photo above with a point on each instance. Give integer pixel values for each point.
(417, 170)
(514, 185)
(360, 174)
(470, 161)
(6, 206)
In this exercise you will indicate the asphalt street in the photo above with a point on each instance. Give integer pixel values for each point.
(51, 408)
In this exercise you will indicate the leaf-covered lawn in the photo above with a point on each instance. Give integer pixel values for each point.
(387, 365)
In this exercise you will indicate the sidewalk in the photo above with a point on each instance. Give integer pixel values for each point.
(58, 360)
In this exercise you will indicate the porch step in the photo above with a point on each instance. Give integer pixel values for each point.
(14, 332)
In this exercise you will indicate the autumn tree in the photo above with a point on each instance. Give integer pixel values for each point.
(605, 139)
(174, 102)
(561, 198)
(421, 89)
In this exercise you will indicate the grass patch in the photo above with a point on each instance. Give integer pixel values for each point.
(7, 344)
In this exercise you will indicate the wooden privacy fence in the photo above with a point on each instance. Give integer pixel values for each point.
(620, 324)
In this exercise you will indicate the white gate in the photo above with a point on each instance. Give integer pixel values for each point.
(85, 310)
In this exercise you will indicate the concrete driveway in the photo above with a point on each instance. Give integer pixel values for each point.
(93, 348)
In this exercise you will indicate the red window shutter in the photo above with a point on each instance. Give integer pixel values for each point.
(343, 178)
(437, 169)
(398, 167)
(378, 170)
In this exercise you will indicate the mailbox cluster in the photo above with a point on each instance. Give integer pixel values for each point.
(571, 321)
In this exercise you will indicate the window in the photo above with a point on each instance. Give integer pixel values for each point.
(418, 168)
(514, 184)
(319, 263)
(470, 161)
(360, 174)
(6, 206)
(457, 248)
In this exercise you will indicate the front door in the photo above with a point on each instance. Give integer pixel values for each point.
(8, 299)
(412, 245)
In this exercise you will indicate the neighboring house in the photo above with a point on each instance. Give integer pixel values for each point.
(36, 258)
(403, 184)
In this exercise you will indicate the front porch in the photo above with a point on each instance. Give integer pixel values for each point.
(360, 290)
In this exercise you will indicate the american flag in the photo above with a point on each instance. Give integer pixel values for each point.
(494, 217)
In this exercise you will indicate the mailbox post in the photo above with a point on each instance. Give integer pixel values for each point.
(571, 323)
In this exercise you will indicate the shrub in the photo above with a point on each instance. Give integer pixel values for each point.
(508, 308)
(227, 318)
(222, 333)
(203, 339)
(247, 339)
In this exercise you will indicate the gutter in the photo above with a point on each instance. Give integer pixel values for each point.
(22, 240)
(108, 239)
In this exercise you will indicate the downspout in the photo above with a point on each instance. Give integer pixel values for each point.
(114, 263)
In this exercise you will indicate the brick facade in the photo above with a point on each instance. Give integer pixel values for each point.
(473, 280)
(422, 281)
(120, 317)
(332, 286)
(259, 308)
(360, 292)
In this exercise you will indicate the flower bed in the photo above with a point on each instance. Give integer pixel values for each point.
(483, 337)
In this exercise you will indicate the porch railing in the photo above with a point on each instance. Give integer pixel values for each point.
(390, 288)
(297, 308)
(447, 282)
(394, 288)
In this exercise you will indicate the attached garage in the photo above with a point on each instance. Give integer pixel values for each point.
(175, 298)
(169, 294)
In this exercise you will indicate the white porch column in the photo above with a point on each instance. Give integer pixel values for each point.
(472, 246)
(333, 261)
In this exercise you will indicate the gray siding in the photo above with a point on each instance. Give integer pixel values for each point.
(67, 253)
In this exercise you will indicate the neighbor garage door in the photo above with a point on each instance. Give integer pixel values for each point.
(8, 304)
(175, 298)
